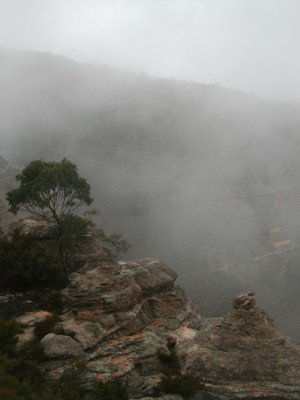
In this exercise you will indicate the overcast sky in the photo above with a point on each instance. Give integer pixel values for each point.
(251, 45)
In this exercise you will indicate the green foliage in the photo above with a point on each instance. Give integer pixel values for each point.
(8, 339)
(54, 301)
(24, 264)
(71, 227)
(92, 214)
(52, 191)
(173, 381)
(20, 376)
(21, 379)
(109, 391)
(54, 187)
(115, 243)
(32, 350)
(44, 327)
(184, 385)
(66, 236)
(68, 387)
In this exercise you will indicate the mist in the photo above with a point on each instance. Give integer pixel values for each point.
(203, 176)
(248, 45)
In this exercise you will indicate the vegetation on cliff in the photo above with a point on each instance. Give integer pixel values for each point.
(52, 191)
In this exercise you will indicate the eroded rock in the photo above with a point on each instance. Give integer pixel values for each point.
(244, 301)
(244, 350)
(30, 318)
(33, 226)
(119, 317)
(61, 346)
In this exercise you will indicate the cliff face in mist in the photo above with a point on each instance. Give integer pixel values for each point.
(201, 177)
(7, 182)
(127, 320)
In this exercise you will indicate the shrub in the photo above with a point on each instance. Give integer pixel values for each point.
(32, 350)
(170, 362)
(8, 338)
(68, 387)
(20, 376)
(173, 381)
(115, 243)
(22, 380)
(184, 385)
(109, 391)
(54, 301)
(24, 264)
(42, 328)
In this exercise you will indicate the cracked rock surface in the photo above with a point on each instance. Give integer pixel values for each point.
(119, 316)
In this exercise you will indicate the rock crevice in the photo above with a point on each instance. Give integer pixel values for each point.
(119, 317)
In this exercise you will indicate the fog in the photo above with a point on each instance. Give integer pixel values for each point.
(249, 45)
(202, 176)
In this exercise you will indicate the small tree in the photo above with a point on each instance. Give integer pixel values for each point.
(115, 243)
(50, 190)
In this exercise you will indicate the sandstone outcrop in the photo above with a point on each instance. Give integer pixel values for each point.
(120, 317)
(124, 314)
(33, 226)
(243, 355)
(244, 301)
(121, 314)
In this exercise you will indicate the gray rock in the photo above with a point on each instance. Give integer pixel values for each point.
(244, 301)
(121, 316)
(30, 318)
(60, 346)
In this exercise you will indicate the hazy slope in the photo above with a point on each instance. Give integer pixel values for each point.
(201, 177)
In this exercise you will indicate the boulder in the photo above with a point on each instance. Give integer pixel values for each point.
(244, 355)
(30, 318)
(244, 301)
(61, 346)
(32, 225)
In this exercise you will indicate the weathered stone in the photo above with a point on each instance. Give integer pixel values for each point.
(123, 313)
(60, 346)
(243, 350)
(30, 318)
(244, 301)
(121, 316)
(151, 275)
(101, 289)
(116, 287)
(34, 226)
(88, 334)
(87, 315)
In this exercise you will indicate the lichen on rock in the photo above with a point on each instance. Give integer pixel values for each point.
(120, 317)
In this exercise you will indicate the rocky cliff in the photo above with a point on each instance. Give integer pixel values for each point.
(120, 318)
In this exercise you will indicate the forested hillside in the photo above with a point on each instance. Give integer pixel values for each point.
(202, 177)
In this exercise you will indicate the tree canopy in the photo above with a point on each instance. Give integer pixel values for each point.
(49, 189)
